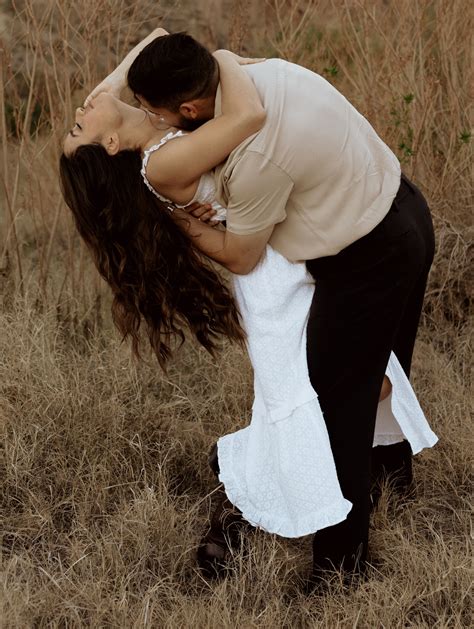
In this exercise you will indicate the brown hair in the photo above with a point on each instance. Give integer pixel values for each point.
(173, 69)
(157, 276)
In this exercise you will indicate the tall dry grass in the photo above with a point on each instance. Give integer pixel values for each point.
(105, 489)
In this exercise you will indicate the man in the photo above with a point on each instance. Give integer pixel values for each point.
(319, 185)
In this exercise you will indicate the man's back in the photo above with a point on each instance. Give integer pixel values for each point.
(317, 170)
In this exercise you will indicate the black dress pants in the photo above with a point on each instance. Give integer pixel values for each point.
(367, 302)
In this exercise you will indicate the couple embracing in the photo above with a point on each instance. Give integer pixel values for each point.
(265, 168)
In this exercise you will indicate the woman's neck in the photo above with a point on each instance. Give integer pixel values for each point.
(138, 132)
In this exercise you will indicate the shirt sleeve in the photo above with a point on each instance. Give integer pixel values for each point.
(258, 192)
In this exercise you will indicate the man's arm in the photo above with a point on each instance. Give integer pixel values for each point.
(116, 81)
(238, 254)
(258, 194)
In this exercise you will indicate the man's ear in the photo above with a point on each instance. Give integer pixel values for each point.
(111, 143)
(189, 110)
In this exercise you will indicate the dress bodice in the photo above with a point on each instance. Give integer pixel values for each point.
(206, 190)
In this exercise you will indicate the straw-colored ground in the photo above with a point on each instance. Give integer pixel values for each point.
(105, 487)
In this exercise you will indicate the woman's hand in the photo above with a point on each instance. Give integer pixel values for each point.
(203, 213)
(242, 61)
(113, 84)
(117, 80)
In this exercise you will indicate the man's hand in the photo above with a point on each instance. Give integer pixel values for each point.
(113, 84)
(238, 254)
(203, 213)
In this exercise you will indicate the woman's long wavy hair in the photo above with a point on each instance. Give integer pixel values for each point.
(157, 276)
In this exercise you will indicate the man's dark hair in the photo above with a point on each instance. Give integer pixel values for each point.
(173, 69)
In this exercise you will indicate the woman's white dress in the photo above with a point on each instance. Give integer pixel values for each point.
(279, 470)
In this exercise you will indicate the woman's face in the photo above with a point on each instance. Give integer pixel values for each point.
(102, 116)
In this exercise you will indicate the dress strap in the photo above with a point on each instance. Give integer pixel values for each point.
(146, 156)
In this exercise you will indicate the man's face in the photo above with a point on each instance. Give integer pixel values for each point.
(190, 116)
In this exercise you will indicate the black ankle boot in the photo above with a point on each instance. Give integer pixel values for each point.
(213, 460)
(224, 536)
(393, 464)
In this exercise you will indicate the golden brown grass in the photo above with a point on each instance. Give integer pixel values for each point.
(105, 488)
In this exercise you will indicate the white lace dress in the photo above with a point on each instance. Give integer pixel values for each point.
(279, 470)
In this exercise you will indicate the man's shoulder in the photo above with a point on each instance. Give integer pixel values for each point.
(270, 67)
(281, 90)
(275, 66)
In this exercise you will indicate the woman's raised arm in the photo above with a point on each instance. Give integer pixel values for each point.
(116, 81)
(179, 164)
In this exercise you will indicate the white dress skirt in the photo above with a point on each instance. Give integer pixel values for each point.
(279, 471)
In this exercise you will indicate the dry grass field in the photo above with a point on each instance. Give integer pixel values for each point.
(105, 488)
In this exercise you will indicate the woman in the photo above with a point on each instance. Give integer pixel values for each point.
(124, 182)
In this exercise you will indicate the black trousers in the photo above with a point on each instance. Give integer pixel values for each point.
(367, 302)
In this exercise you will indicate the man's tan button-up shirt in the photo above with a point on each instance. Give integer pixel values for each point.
(317, 170)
